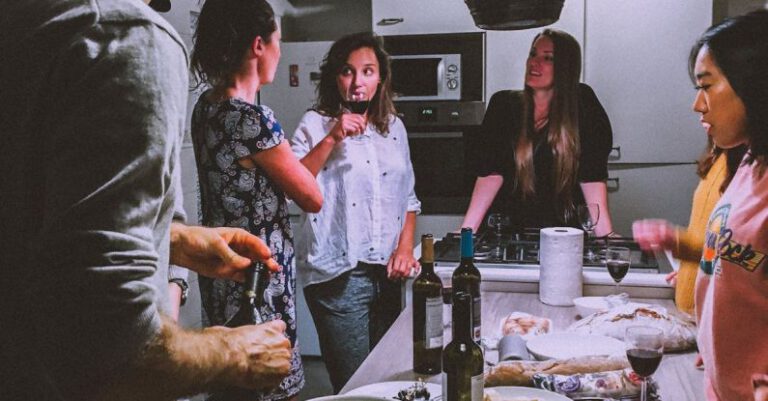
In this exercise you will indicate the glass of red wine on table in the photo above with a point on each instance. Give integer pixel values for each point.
(617, 260)
(645, 347)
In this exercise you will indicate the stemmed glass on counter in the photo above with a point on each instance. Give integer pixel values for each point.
(588, 215)
(498, 221)
(617, 260)
(645, 347)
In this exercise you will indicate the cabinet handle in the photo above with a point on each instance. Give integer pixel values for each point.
(616, 155)
(616, 185)
(390, 21)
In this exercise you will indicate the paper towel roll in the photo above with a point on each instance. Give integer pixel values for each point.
(561, 250)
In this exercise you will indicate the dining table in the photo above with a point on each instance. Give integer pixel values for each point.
(677, 377)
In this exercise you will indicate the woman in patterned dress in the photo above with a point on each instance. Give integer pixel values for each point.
(245, 167)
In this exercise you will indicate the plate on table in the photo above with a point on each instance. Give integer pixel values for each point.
(346, 397)
(521, 394)
(389, 390)
(572, 345)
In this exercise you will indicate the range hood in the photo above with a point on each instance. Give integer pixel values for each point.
(514, 14)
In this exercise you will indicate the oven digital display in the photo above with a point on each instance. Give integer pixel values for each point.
(427, 114)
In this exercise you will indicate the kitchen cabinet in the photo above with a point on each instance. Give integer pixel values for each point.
(636, 59)
(421, 17)
(650, 191)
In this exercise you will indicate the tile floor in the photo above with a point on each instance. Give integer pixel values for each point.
(316, 379)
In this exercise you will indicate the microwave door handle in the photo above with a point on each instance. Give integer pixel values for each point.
(440, 75)
(435, 135)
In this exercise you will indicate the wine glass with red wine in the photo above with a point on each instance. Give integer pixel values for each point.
(645, 347)
(617, 260)
(356, 102)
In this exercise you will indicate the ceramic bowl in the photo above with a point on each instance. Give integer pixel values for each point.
(586, 306)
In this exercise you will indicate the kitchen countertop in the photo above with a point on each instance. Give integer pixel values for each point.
(392, 359)
(525, 279)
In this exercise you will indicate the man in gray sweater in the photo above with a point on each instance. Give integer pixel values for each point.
(92, 102)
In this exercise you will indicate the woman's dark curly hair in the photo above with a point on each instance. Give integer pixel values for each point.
(225, 30)
(329, 101)
(739, 48)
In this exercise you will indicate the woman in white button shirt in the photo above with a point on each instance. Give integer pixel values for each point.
(360, 245)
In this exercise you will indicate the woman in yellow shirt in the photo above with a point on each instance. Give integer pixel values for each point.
(716, 169)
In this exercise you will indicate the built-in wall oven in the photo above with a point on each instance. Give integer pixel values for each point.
(439, 81)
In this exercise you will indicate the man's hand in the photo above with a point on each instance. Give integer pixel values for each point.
(261, 355)
(220, 252)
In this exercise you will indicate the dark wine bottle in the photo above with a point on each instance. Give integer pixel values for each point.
(427, 313)
(466, 278)
(462, 357)
(252, 300)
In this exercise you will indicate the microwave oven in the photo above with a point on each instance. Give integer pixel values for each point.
(426, 77)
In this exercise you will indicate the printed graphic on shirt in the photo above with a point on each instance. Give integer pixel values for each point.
(738, 254)
(715, 226)
(720, 246)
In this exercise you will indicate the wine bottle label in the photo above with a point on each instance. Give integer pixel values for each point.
(478, 385)
(434, 324)
(476, 318)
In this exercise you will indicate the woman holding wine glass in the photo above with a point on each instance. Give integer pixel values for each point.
(245, 168)
(544, 150)
(728, 65)
(360, 244)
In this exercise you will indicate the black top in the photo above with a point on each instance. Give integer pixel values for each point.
(495, 155)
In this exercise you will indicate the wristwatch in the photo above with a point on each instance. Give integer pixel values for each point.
(184, 288)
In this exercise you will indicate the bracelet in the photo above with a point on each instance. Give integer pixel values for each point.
(184, 289)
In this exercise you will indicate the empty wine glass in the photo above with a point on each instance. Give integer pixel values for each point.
(645, 347)
(498, 221)
(588, 215)
(617, 260)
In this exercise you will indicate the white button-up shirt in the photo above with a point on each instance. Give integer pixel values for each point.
(367, 185)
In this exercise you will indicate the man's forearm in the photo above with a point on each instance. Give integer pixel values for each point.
(178, 362)
(174, 364)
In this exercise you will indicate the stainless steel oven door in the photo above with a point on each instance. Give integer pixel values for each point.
(443, 181)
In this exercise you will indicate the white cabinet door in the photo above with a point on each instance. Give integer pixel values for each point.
(636, 58)
(421, 17)
(641, 192)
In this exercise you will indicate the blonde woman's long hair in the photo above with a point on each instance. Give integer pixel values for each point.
(563, 133)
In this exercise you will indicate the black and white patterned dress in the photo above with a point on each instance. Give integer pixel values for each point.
(234, 196)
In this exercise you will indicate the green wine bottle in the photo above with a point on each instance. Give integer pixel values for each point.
(462, 357)
(466, 278)
(427, 313)
(252, 300)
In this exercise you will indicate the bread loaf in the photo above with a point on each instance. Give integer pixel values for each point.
(520, 373)
(679, 334)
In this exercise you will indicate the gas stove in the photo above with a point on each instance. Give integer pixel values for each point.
(508, 249)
